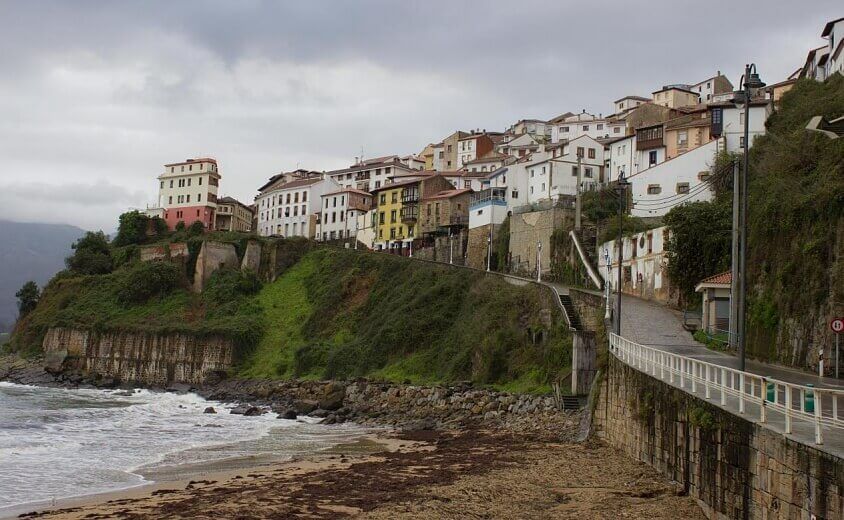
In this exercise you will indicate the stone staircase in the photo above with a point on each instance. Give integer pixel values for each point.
(574, 320)
(570, 402)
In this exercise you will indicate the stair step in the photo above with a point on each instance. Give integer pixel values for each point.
(571, 402)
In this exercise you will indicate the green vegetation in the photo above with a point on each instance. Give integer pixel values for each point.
(339, 314)
(699, 244)
(136, 228)
(27, 296)
(796, 209)
(91, 255)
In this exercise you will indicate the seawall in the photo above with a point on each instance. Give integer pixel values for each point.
(733, 467)
(143, 358)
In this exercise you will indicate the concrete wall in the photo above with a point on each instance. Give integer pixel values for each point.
(733, 467)
(151, 359)
(439, 252)
(528, 229)
(174, 251)
(213, 256)
(252, 257)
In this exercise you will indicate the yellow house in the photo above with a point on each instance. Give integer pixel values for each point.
(428, 155)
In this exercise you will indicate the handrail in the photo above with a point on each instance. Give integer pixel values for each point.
(584, 258)
(764, 395)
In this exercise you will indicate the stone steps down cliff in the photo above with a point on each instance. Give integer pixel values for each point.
(571, 312)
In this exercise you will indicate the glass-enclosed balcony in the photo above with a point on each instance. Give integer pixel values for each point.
(494, 196)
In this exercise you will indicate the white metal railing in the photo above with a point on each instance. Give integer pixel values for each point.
(752, 393)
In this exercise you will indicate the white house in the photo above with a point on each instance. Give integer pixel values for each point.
(676, 181)
(488, 163)
(557, 175)
(370, 174)
(519, 146)
(291, 208)
(629, 103)
(728, 121)
(576, 125)
(341, 212)
(488, 206)
(622, 157)
(644, 264)
(834, 34)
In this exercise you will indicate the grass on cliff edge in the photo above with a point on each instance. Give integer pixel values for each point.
(341, 314)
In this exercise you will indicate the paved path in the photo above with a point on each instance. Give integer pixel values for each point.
(658, 326)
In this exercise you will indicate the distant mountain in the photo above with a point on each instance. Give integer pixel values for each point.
(29, 252)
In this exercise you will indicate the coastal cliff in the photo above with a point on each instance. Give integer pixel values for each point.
(144, 358)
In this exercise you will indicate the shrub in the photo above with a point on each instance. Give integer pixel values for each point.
(147, 280)
(196, 229)
(27, 297)
(132, 228)
(91, 255)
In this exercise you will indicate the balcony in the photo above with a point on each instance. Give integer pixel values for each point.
(409, 197)
(495, 196)
(410, 214)
(362, 176)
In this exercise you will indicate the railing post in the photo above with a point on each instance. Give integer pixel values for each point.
(683, 373)
(834, 406)
(787, 409)
(818, 406)
(706, 383)
(662, 366)
(763, 406)
(741, 393)
(723, 384)
(673, 359)
(694, 375)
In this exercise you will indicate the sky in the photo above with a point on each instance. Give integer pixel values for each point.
(95, 97)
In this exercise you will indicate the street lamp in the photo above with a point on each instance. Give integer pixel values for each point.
(749, 81)
(539, 261)
(608, 281)
(450, 248)
(489, 250)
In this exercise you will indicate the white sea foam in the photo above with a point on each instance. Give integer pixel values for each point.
(57, 443)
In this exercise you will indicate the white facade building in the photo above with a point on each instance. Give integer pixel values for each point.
(341, 212)
(834, 33)
(676, 181)
(370, 174)
(291, 208)
(596, 127)
(629, 103)
(557, 175)
(728, 121)
(622, 157)
(644, 264)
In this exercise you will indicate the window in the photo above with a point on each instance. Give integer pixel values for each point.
(654, 189)
(591, 153)
(377, 184)
(288, 198)
(682, 187)
(564, 129)
(188, 199)
(587, 172)
(392, 216)
(703, 176)
(467, 184)
(296, 198)
(392, 233)
(652, 158)
(295, 211)
(199, 197)
(383, 198)
(394, 197)
(616, 130)
(574, 171)
(333, 217)
(170, 199)
(682, 138)
(543, 187)
(381, 218)
(200, 181)
(304, 196)
(585, 128)
(543, 170)
(531, 190)
(741, 142)
(304, 209)
(188, 181)
(600, 127)
(171, 183)
(580, 151)
(326, 203)
(513, 195)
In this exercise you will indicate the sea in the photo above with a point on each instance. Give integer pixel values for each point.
(58, 443)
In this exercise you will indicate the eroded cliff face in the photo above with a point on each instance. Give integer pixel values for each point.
(149, 359)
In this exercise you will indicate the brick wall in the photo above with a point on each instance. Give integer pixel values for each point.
(733, 467)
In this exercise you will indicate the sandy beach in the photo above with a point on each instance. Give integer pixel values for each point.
(420, 474)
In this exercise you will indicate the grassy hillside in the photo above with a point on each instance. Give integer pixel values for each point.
(331, 314)
(796, 239)
(340, 314)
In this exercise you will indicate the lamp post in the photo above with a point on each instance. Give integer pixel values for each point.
(450, 248)
(608, 282)
(489, 250)
(539, 261)
(749, 81)
(622, 191)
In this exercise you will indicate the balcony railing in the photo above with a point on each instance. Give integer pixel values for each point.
(497, 196)
(362, 176)
(410, 197)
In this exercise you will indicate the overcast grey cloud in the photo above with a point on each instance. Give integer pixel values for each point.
(96, 96)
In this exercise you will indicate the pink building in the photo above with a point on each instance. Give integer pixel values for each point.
(188, 192)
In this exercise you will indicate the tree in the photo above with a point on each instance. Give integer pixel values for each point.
(180, 226)
(699, 244)
(196, 228)
(91, 255)
(132, 228)
(28, 297)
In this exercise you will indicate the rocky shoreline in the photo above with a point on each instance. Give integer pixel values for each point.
(401, 406)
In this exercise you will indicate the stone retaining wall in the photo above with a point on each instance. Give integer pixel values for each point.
(735, 468)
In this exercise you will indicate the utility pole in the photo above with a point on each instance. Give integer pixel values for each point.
(577, 198)
(734, 285)
(622, 202)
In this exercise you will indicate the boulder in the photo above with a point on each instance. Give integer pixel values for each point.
(247, 410)
(180, 388)
(333, 397)
(210, 409)
(305, 406)
(289, 414)
(254, 411)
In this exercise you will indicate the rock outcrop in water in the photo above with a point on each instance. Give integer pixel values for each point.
(148, 359)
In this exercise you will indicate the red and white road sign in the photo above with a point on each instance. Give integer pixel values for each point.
(837, 325)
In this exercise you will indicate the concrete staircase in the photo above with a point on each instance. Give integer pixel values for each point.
(571, 312)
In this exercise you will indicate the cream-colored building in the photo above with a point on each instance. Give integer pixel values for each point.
(675, 96)
(233, 215)
(188, 192)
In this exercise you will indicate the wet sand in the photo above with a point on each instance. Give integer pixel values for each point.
(424, 474)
